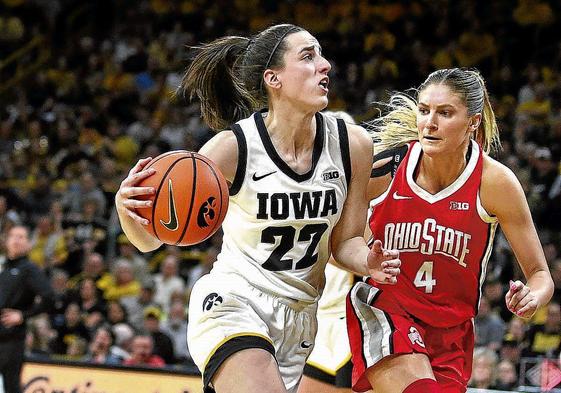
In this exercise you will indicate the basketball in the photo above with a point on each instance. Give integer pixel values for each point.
(190, 199)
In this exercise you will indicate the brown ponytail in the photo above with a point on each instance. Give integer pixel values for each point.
(226, 74)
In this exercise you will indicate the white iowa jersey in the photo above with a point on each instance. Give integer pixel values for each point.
(279, 222)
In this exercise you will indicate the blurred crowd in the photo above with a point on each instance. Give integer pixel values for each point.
(71, 129)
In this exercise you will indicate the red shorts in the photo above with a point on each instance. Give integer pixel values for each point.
(379, 327)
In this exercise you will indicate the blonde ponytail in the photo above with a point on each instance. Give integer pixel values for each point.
(398, 126)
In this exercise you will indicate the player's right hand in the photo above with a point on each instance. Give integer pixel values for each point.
(383, 265)
(125, 199)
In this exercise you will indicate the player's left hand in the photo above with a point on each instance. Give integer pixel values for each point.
(520, 300)
(10, 317)
(383, 265)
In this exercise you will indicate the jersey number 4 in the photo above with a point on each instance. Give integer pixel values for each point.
(423, 278)
(310, 233)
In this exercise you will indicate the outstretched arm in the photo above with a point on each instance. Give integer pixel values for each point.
(348, 246)
(502, 196)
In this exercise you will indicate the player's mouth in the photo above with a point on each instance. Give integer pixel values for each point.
(324, 83)
(431, 138)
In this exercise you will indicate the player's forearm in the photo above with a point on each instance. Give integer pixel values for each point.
(352, 255)
(136, 234)
(541, 285)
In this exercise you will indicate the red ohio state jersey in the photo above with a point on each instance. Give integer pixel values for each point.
(444, 240)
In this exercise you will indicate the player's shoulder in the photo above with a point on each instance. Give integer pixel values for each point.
(358, 132)
(223, 149)
(496, 175)
(359, 139)
(499, 186)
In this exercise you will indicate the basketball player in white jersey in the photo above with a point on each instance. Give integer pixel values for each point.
(297, 194)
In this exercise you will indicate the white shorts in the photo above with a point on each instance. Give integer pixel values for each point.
(227, 314)
(330, 361)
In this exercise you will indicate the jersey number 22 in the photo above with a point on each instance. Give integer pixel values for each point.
(310, 233)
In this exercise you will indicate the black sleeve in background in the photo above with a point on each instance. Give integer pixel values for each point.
(39, 284)
(397, 154)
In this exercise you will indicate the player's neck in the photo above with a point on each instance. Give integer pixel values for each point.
(434, 174)
(291, 132)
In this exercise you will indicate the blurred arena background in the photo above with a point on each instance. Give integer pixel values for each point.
(87, 87)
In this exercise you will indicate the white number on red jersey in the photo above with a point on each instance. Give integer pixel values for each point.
(424, 277)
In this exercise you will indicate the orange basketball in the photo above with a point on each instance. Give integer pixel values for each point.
(190, 201)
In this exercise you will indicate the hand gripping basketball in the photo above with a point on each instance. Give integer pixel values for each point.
(190, 198)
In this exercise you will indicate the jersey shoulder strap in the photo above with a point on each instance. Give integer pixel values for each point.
(242, 159)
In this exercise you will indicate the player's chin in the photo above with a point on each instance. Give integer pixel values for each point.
(318, 103)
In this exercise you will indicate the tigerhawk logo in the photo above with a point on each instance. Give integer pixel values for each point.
(212, 300)
(206, 212)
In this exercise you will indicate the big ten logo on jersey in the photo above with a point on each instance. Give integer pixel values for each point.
(459, 205)
(300, 205)
(429, 238)
(330, 175)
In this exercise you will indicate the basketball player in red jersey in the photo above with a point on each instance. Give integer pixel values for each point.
(297, 185)
(438, 197)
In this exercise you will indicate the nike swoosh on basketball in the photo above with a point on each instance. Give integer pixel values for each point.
(398, 197)
(257, 178)
(172, 224)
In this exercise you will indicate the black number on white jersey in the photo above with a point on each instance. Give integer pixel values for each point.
(310, 232)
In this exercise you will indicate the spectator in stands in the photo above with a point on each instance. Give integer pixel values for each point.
(206, 261)
(123, 283)
(37, 338)
(76, 349)
(484, 363)
(489, 327)
(545, 340)
(84, 233)
(48, 246)
(175, 326)
(163, 346)
(92, 306)
(72, 328)
(128, 253)
(494, 291)
(116, 313)
(141, 353)
(516, 331)
(59, 283)
(86, 189)
(94, 268)
(167, 282)
(123, 339)
(100, 348)
(135, 306)
(507, 379)
(511, 350)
